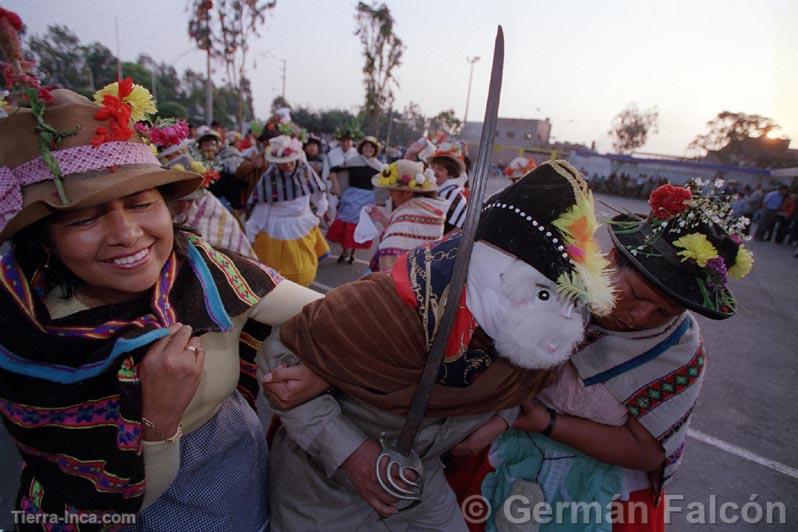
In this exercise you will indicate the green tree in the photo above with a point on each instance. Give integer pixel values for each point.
(279, 102)
(631, 127)
(446, 121)
(741, 138)
(325, 121)
(223, 29)
(382, 54)
(170, 109)
(409, 126)
(137, 73)
(60, 58)
(101, 63)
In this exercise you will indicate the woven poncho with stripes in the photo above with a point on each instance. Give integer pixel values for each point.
(275, 186)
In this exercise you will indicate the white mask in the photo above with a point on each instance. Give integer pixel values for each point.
(531, 324)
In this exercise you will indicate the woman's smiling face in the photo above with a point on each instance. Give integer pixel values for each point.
(118, 248)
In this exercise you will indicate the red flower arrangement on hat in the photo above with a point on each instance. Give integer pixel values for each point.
(164, 133)
(668, 201)
(121, 102)
(209, 175)
(683, 211)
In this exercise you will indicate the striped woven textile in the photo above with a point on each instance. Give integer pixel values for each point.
(413, 223)
(657, 375)
(275, 186)
(452, 194)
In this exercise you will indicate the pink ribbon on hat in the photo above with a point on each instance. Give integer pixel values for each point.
(72, 161)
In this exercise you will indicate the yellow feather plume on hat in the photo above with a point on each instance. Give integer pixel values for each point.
(590, 281)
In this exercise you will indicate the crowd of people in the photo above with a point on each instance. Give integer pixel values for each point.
(772, 212)
(284, 186)
(622, 184)
(146, 301)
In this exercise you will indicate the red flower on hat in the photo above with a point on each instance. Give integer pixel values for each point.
(12, 18)
(117, 112)
(667, 201)
(46, 96)
(209, 177)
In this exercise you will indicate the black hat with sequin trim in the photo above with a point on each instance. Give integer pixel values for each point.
(547, 220)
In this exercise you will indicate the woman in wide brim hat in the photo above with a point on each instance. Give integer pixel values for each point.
(120, 338)
(360, 193)
(282, 226)
(417, 217)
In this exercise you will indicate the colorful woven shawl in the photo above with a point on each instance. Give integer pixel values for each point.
(70, 395)
(422, 280)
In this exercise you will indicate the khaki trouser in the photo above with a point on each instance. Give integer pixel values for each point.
(304, 498)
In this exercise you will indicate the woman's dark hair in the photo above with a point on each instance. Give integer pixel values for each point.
(452, 168)
(29, 251)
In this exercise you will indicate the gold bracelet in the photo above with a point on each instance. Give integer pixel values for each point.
(150, 425)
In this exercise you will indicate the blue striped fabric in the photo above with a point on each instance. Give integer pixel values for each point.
(222, 481)
(651, 354)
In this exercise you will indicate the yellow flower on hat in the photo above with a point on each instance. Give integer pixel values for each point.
(742, 265)
(697, 247)
(198, 167)
(139, 100)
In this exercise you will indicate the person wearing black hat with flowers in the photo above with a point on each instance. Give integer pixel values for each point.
(534, 271)
(625, 398)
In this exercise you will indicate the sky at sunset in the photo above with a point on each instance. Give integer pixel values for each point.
(576, 62)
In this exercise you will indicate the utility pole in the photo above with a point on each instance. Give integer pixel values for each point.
(471, 60)
(153, 85)
(285, 67)
(208, 90)
(118, 51)
(390, 126)
(91, 78)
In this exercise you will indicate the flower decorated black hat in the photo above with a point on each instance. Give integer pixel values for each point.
(688, 246)
(547, 219)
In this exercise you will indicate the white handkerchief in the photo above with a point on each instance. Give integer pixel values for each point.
(366, 230)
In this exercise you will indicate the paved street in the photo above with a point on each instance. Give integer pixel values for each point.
(743, 439)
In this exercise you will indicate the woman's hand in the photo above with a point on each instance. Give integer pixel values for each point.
(287, 387)
(482, 437)
(376, 215)
(170, 374)
(533, 418)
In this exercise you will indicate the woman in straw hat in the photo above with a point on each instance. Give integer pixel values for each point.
(417, 218)
(359, 194)
(283, 229)
(119, 346)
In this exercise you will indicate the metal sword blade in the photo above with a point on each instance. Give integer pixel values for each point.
(423, 392)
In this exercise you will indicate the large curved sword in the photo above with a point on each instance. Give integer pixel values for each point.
(399, 452)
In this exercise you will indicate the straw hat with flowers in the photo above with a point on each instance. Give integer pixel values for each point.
(99, 156)
(406, 175)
